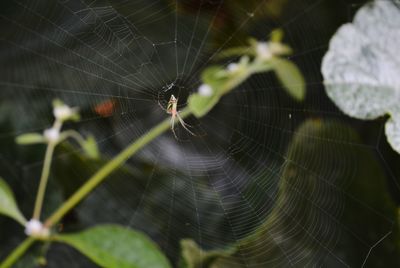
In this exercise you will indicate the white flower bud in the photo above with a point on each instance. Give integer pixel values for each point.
(205, 90)
(52, 134)
(232, 67)
(36, 229)
(63, 112)
(263, 51)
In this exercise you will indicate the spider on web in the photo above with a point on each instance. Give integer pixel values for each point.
(172, 109)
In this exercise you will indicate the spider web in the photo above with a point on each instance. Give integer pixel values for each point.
(219, 186)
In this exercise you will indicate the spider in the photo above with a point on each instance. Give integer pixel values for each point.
(172, 109)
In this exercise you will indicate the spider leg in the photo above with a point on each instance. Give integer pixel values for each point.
(173, 126)
(159, 104)
(183, 122)
(184, 125)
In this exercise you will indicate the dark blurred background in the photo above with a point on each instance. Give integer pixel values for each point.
(307, 184)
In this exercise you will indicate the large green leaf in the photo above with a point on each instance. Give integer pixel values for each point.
(8, 206)
(361, 69)
(290, 77)
(116, 246)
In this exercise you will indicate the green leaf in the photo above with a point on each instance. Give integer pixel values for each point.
(252, 42)
(290, 77)
(192, 256)
(217, 79)
(116, 246)
(201, 105)
(58, 103)
(8, 206)
(262, 67)
(75, 117)
(30, 138)
(277, 35)
(90, 147)
(222, 82)
(235, 52)
(213, 77)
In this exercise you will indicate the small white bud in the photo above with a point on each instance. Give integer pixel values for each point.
(36, 229)
(63, 112)
(205, 90)
(52, 134)
(263, 51)
(232, 67)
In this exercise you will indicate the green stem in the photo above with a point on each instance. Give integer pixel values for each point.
(95, 180)
(108, 168)
(17, 252)
(74, 135)
(45, 173)
(43, 180)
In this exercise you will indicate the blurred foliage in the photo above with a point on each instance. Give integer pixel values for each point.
(157, 196)
(266, 56)
(317, 187)
(192, 256)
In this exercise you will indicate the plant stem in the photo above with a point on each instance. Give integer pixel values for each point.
(85, 189)
(108, 168)
(74, 135)
(17, 252)
(43, 180)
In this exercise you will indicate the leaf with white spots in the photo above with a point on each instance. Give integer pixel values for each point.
(362, 68)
